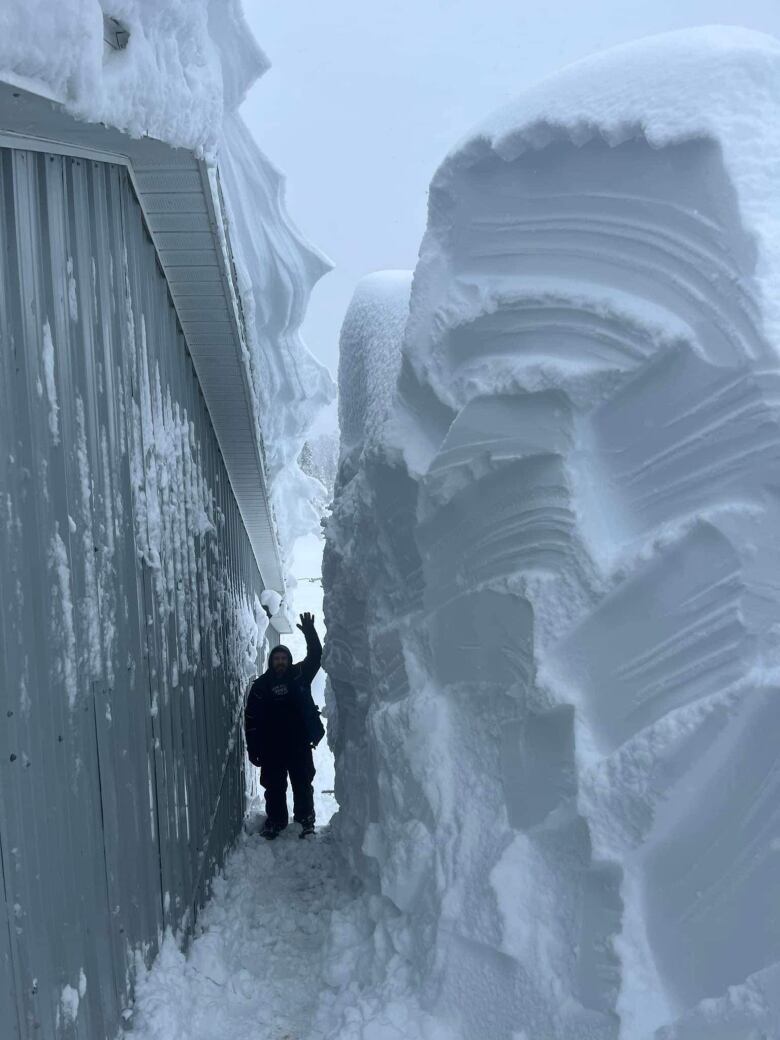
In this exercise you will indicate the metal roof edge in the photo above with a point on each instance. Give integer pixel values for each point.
(212, 192)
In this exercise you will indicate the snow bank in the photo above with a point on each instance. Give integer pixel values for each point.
(375, 709)
(552, 594)
(180, 78)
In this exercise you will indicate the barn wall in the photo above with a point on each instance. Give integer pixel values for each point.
(128, 613)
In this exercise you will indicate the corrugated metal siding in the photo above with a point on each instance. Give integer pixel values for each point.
(181, 201)
(125, 572)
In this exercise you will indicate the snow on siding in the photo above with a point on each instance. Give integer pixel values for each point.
(73, 303)
(63, 629)
(168, 83)
(90, 604)
(68, 1009)
(47, 357)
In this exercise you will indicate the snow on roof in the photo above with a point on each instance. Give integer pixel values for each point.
(180, 69)
(719, 82)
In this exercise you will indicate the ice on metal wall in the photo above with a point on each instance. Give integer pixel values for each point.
(130, 617)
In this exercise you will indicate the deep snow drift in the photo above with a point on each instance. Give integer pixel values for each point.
(552, 572)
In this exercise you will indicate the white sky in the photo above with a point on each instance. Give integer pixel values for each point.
(366, 97)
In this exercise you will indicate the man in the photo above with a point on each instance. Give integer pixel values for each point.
(282, 725)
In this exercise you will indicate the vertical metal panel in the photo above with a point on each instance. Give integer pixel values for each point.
(123, 562)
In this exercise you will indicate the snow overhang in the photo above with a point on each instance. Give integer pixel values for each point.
(179, 195)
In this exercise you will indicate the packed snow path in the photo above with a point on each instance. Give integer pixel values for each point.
(254, 969)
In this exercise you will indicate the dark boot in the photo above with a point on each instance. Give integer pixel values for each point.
(271, 829)
(307, 826)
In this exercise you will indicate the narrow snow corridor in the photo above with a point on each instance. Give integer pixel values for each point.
(254, 969)
(517, 617)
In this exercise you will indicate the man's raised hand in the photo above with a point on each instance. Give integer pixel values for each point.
(307, 623)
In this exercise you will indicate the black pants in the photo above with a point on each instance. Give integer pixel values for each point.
(296, 760)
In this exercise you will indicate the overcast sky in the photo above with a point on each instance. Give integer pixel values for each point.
(366, 96)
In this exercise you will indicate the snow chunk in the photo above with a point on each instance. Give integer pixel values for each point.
(270, 599)
(68, 1009)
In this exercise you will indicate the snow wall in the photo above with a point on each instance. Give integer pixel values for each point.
(553, 594)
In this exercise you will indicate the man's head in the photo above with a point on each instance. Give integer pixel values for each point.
(280, 660)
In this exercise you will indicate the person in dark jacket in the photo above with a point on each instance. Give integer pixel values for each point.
(282, 725)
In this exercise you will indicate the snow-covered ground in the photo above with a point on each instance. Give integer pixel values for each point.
(255, 968)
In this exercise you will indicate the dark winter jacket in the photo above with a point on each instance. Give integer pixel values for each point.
(281, 710)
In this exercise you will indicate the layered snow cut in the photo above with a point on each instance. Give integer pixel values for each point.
(553, 586)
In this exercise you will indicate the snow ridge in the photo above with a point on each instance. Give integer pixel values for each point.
(553, 605)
